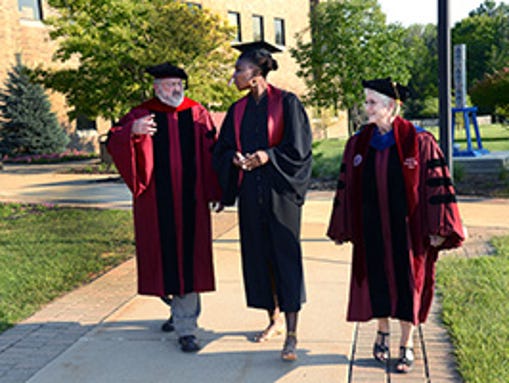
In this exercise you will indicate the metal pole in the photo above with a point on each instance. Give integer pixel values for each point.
(444, 78)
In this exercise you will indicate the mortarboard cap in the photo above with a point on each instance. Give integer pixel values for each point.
(388, 87)
(165, 70)
(257, 45)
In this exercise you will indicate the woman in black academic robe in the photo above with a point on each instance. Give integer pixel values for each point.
(263, 157)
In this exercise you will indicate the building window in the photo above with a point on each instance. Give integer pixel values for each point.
(30, 9)
(234, 20)
(279, 31)
(258, 28)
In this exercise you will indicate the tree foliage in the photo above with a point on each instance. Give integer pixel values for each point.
(109, 43)
(486, 35)
(28, 126)
(421, 40)
(350, 42)
(491, 94)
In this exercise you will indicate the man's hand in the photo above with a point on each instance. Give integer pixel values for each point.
(144, 125)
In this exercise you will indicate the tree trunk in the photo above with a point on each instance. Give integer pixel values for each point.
(354, 120)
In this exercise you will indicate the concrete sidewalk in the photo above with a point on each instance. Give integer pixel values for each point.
(104, 332)
(45, 184)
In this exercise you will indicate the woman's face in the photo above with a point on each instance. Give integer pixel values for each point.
(378, 110)
(244, 72)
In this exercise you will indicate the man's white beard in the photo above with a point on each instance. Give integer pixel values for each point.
(169, 99)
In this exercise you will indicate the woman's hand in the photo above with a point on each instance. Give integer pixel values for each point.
(144, 125)
(257, 159)
(239, 160)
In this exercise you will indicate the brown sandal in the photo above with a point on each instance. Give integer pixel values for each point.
(289, 353)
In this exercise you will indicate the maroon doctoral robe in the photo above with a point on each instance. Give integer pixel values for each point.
(172, 181)
(388, 202)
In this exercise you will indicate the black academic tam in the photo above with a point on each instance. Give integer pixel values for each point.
(166, 70)
(388, 87)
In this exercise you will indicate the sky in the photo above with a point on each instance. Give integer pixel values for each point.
(425, 11)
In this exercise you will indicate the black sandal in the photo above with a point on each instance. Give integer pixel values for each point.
(406, 360)
(289, 353)
(381, 350)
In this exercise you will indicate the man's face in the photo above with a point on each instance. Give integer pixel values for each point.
(169, 90)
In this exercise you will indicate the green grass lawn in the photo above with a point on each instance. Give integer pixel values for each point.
(494, 137)
(475, 306)
(96, 168)
(47, 251)
(327, 156)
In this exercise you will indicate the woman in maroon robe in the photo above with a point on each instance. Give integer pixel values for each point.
(396, 203)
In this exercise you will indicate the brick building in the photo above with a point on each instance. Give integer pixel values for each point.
(23, 36)
(275, 21)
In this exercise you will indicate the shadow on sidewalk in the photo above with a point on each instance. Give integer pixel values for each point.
(69, 351)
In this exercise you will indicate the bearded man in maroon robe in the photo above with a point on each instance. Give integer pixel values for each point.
(162, 149)
(396, 203)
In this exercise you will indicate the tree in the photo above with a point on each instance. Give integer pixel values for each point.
(111, 42)
(29, 126)
(491, 94)
(421, 41)
(486, 34)
(350, 42)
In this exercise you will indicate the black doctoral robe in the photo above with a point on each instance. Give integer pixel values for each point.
(269, 197)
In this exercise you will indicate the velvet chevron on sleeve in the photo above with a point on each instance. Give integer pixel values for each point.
(442, 215)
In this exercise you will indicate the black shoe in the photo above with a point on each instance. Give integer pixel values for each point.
(168, 325)
(406, 360)
(188, 343)
(381, 350)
